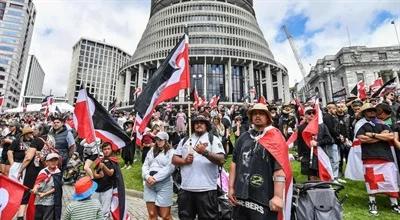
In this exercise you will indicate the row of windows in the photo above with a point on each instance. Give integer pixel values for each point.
(11, 26)
(184, 19)
(209, 51)
(205, 28)
(100, 48)
(10, 33)
(204, 7)
(7, 48)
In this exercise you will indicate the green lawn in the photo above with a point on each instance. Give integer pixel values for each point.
(355, 207)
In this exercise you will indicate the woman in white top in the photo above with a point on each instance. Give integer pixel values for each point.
(156, 171)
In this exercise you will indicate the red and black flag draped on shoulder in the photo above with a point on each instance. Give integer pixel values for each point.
(89, 112)
(274, 142)
(172, 76)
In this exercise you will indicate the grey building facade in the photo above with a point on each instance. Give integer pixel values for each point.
(229, 55)
(95, 65)
(335, 73)
(17, 18)
(34, 78)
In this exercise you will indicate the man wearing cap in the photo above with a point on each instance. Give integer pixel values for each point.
(84, 207)
(199, 157)
(256, 180)
(16, 153)
(376, 151)
(65, 142)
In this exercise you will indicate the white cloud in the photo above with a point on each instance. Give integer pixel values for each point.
(122, 23)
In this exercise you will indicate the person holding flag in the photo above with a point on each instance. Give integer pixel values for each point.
(260, 177)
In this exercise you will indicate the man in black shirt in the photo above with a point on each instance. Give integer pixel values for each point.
(256, 180)
(375, 140)
(14, 131)
(105, 178)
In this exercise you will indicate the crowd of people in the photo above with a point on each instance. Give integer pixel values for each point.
(39, 153)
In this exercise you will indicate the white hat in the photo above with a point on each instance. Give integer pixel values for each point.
(308, 108)
(162, 135)
(52, 156)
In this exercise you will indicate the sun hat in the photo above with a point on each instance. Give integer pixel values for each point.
(84, 188)
(260, 107)
(162, 135)
(308, 108)
(52, 156)
(367, 106)
(27, 130)
(201, 118)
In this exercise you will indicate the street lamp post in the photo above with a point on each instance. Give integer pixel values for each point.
(330, 70)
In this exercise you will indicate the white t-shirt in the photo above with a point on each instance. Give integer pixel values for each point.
(202, 174)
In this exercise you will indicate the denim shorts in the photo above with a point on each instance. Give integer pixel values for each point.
(160, 193)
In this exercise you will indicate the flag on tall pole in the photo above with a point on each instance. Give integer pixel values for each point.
(172, 76)
(1, 100)
(105, 127)
(310, 133)
(262, 100)
(214, 101)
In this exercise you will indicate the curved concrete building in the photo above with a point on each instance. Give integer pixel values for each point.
(229, 55)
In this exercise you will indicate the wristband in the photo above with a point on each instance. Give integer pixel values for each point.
(373, 135)
(281, 179)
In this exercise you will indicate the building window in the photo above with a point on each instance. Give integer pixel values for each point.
(237, 83)
(360, 76)
(215, 81)
(197, 78)
(382, 56)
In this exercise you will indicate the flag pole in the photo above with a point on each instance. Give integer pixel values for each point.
(186, 30)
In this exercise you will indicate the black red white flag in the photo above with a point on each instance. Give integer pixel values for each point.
(1, 100)
(387, 87)
(359, 90)
(273, 141)
(172, 76)
(376, 85)
(310, 133)
(105, 127)
(83, 117)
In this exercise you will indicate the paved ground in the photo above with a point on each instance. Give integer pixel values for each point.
(136, 206)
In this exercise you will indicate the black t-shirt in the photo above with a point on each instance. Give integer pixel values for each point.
(6, 147)
(107, 182)
(379, 150)
(254, 170)
(19, 147)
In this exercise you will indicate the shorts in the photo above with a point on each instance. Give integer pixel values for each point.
(91, 157)
(248, 210)
(160, 193)
(204, 205)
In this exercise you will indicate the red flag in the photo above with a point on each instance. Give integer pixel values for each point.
(362, 93)
(214, 101)
(196, 98)
(311, 132)
(83, 117)
(30, 208)
(378, 83)
(11, 193)
(300, 107)
(262, 100)
(292, 139)
(1, 100)
(274, 142)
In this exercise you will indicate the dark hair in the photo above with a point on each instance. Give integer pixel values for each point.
(385, 108)
(105, 144)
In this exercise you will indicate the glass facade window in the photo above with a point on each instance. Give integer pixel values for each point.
(215, 81)
(4, 61)
(197, 78)
(8, 40)
(237, 83)
(14, 13)
(6, 48)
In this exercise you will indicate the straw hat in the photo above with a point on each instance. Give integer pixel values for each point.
(27, 130)
(367, 106)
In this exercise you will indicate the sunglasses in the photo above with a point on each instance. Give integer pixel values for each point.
(310, 113)
(158, 139)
